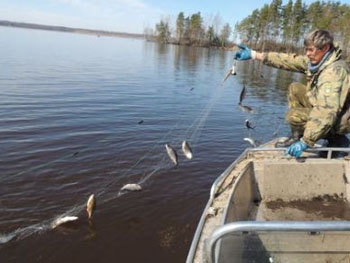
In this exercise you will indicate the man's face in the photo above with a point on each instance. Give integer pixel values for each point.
(314, 54)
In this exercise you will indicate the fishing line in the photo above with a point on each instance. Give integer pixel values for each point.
(156, 150)
(159, 163)
(197, 124)
(24, 232)
(193, 132)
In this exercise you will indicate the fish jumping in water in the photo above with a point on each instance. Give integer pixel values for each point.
(131, 187)
(231, 71)
(172, 154)
(90, 206)
(62, 220)
(186, 148)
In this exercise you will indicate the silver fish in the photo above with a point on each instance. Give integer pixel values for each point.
(245, 108)
(251, 141)
(172, 153)
(90, 206)
(248, 124)
(186, 148)
(231, 71)
(62, 220)
(242, 95)
(6, 238)
(131, 187)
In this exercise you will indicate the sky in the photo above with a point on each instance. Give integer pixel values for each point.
(131, 16)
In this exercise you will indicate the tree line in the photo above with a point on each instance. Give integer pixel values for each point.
(275, 26)
(284, 26)
(190, 30)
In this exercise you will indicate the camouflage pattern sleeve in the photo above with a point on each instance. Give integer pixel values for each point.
(290, 62)
(326, 98)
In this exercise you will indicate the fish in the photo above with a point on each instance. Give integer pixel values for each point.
(90, 206)
(248, 124)
(242, 95)
(131, 187)
(245, 108)
(172, 153)
(231, 71)
(186, 148)
(140, 122)
(251, 141)
(62, 220)
(6, 238)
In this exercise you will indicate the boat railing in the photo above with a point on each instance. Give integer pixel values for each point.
(272, 226)
(327, 150)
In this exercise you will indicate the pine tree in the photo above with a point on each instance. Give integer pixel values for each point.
(180, 26)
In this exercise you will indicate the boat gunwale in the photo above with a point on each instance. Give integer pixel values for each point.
(215, 186)
(236, 183)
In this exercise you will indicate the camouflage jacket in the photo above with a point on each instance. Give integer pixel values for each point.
(327, 90)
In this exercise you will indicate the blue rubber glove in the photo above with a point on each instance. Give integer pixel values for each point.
(297, 148)
(244, 54)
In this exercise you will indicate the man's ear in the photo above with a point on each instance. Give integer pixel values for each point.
(326, 48)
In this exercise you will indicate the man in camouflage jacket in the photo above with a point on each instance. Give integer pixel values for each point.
(319, 109)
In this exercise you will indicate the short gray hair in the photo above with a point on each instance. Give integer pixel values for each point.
(319, 38)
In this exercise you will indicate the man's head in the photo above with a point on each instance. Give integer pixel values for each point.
(317, 44)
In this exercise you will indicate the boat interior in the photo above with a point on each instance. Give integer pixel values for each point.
(284, 210)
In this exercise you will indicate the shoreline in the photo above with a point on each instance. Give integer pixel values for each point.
(70, 29)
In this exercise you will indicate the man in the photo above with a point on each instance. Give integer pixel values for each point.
(319, 109)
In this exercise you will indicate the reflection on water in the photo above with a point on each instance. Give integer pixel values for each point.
(84, 114)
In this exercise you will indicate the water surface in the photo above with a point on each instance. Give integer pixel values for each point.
(83, 114)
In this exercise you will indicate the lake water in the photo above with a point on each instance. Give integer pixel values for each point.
(83, 114)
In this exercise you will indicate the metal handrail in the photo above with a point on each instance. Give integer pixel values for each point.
(329, 150)
(273, 226)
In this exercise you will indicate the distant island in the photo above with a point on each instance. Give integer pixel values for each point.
(70, 29)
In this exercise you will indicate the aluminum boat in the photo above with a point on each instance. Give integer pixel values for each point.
(269, 207)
